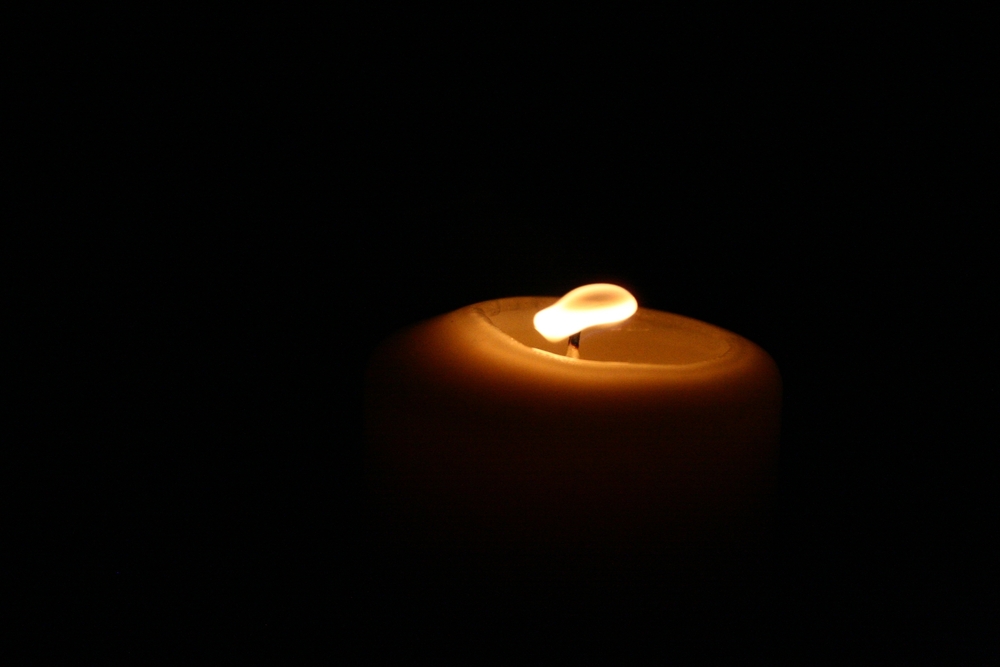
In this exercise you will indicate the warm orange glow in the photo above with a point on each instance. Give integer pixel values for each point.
(584, 307)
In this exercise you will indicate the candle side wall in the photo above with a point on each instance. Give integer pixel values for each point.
(477, 440)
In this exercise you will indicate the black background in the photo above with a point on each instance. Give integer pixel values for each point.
(238, 209)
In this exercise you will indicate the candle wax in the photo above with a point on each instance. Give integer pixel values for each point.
(483, 435)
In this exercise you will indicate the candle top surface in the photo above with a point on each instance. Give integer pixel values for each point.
(493, 347)
(648, 337)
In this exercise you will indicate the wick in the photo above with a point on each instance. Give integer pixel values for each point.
(573, 349)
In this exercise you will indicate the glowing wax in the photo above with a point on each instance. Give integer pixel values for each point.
(484, 435)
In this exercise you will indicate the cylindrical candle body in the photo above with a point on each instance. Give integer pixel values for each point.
(482, 436)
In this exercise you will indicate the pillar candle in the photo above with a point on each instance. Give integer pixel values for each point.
(484, 435)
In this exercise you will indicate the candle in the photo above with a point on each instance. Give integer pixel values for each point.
(484, 435)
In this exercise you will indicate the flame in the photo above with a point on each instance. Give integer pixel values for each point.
(584, 307)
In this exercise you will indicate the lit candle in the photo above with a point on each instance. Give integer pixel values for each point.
(484, 434)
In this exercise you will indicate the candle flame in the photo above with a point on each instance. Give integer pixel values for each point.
(584, 307)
